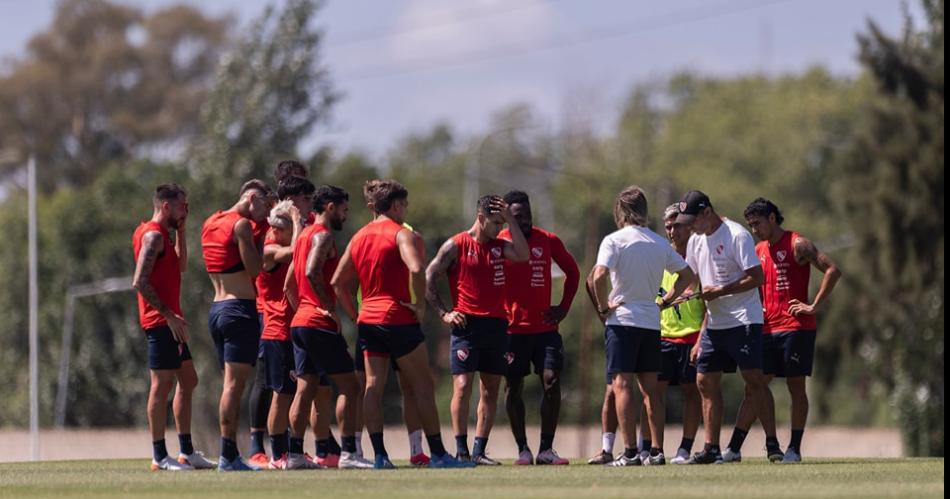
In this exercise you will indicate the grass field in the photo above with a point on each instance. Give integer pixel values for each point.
(903, 478)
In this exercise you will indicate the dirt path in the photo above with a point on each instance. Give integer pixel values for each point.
(571, 442)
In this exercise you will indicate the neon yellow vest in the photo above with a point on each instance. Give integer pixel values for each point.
(681, 320)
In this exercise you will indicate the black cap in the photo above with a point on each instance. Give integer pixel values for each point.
(690, 206)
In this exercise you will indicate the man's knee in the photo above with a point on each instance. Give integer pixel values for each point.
(551, 380)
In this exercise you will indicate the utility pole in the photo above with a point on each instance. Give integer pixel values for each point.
(34, 319)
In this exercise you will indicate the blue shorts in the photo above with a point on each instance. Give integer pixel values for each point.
(386, 341)
(631, 350)
(723, 350)
(544, 350)
(481, 347)
(235, 330)
(320, 352)
(676, 369)
(164, 352)
(789, 354)
(280, 366)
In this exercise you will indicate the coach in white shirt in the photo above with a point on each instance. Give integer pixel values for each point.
(722, 253)
(635, 258)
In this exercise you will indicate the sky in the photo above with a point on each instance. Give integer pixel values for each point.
(405, 65)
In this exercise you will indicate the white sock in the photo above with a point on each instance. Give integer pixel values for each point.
(609, 442)
(359, 443)
(415, 443)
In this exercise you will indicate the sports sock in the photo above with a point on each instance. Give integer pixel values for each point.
(461, 445)
(378, 446)
(296, 445)
(436, 447)
(771, 443)
(481, 444)
(631, 452)
(646, 444)
(159, 451)
(655, 451)
(349, 445)
(185, 445)
(687, 445)
(257, 442)
(711, 448)
(738, 437)
(323, 448)
(334, 446)
(229, 449)
(796, 442)
(547, 442)
(359, 442)
(415, 443)
(522, 444)
(278, 445)
(609, 439)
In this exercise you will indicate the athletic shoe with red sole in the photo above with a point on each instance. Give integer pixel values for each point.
(330, 461)
(420, 460)
(260, 460)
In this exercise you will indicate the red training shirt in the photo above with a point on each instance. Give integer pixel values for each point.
(477, 278)
(384, 277)
(165, 277)
(307, 314)
(785, 280)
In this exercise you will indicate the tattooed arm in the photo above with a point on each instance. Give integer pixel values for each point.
(321, 250)
(152, 244)
(805, 251)
(437, 270)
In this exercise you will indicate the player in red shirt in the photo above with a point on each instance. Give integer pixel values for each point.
(790, 326)
(533, 335)
(383, 256)
(474, 262)
(159, 263)
(233, 261)
(319, 347)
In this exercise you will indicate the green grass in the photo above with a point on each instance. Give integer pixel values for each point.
(818, 478)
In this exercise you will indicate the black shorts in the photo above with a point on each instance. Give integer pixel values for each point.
(789, 354)
(320, 352)
(676, 368)
(723, 350)
(359, 359)
(544, 350)
(235, 330)
(280, 366)
(481, 347)
(387, 341)
(632, 350)
(164, 352)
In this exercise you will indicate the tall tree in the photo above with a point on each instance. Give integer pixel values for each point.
(892, 193)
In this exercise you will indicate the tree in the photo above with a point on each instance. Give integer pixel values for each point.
(892, 193)
(106, 83)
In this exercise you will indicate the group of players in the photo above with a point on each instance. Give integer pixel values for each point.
(279, 278)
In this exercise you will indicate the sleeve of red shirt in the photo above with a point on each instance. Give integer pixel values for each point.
(572, 273)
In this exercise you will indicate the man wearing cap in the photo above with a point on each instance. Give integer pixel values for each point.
(722, 253)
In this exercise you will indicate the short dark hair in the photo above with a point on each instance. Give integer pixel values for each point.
(484, 204)
(289, 168)
(762, 207)
(368, 188)
(517, 197)
(168, 192)
(256, 185)
(327, 194)
(294, 186)
(385, 193)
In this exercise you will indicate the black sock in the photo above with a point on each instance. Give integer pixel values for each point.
(379, 447)
(229, 449)
(436, 447)
(712, 448)
(738, 437)
(687, 445)
(334, 445)
(547, 442)
(349, 444)
(481, 444)
(323, 448)
(631, 452)
(296, 445)
(185, 445)
(771, 443)
(278, 445)
(159, 451)
(522, 443)
(646, 444)
(796, 442)
(461, 445)
(257, 442)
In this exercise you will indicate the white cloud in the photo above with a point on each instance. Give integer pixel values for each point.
(433, 32)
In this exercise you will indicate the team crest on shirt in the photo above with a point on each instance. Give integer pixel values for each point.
(538, 252)
(496, 252)
(720, 249)
(781, 254)
(510, 358)
(462, 354)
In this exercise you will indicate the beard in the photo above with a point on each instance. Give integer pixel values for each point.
(336, 224)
